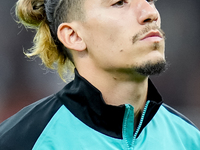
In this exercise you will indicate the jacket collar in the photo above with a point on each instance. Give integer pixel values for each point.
(87, 104)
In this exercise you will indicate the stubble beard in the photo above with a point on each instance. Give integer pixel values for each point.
(150, 68)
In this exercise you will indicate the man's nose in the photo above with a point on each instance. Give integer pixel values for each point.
(146, 12)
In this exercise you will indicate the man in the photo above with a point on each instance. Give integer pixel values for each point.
(111, 104)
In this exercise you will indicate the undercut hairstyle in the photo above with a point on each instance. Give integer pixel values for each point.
(45, 16)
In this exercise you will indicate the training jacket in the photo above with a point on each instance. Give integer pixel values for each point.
(77, 118)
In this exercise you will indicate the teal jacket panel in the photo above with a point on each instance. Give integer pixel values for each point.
(66, 132)
(165, 131)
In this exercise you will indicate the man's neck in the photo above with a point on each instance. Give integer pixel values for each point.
(118, 90)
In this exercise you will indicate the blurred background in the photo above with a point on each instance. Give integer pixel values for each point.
(23, 81)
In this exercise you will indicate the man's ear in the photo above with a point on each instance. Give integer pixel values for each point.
(70, 38)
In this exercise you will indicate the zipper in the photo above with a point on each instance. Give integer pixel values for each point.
(128, 125)
(140, 124)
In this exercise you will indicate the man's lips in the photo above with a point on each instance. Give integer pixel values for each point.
(152, 36)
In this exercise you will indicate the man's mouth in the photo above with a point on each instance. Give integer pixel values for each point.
(152, 36)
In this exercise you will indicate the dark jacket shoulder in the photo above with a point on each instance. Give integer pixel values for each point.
(26, 125)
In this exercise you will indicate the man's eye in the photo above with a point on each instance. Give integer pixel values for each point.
(119, 3)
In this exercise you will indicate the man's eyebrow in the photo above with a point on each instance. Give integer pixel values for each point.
(106, 1)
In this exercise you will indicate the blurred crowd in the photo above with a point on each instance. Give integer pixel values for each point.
(23, 81)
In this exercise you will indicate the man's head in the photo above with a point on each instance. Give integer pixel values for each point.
(110, 34)
(117, 35)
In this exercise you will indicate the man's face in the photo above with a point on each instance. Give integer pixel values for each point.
(122, 35)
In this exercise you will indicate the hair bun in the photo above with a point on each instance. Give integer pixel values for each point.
(30, 12)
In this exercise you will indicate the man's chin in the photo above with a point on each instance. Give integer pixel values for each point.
(151, 68)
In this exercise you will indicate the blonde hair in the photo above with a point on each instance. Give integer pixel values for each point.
(33, 14)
